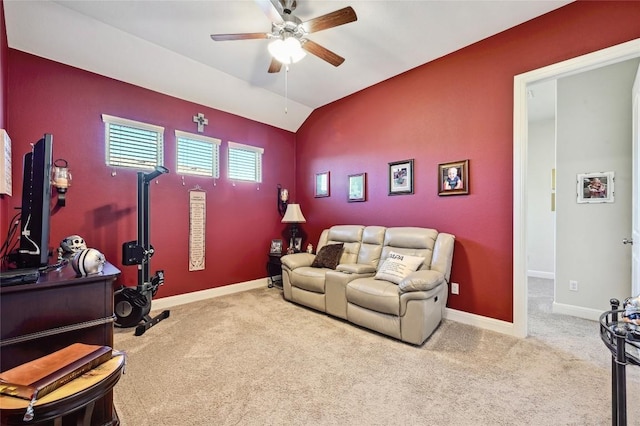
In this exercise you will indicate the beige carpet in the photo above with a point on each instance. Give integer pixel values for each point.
(255, 359)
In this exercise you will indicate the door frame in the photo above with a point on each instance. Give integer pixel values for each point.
(588, 62)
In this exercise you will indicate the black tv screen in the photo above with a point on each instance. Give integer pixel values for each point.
(36, 197)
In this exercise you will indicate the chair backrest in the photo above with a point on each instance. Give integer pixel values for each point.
(372, 244)
(371, 248)
(412, 241)
(349, 235)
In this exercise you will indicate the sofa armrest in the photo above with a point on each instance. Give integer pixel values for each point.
(422, 280)
(297, 260)
(356, 268)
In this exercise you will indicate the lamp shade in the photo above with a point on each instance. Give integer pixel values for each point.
(293, 214)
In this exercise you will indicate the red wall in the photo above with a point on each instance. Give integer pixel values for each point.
(455, 108)
(48, 97)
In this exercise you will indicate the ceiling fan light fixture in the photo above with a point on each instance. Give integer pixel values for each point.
(287, 51)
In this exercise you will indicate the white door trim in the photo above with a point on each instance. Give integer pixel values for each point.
(601, 58)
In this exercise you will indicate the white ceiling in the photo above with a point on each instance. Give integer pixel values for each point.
(165, 46)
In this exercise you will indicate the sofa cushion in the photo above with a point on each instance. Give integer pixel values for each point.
(397, 267)
(328, 256)
(376, 295)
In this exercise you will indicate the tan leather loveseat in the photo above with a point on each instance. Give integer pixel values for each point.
(372, 284)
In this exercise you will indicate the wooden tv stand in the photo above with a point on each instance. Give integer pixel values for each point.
(54, 312)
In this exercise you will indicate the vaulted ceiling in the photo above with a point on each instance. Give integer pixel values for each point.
(165, 46)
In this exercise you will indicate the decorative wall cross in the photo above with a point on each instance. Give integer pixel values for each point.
(199, 118)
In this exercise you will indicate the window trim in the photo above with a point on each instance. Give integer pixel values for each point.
(110, 119)
(202, 138)
(240, 146)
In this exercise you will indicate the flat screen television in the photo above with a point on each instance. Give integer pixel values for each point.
(35, 213)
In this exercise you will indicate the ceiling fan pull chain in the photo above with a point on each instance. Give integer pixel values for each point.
(286, 87)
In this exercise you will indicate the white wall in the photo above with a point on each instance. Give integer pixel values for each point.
(541, 219)
(594, 135)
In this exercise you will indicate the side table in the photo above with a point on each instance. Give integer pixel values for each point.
(73, 401)
(274, 270)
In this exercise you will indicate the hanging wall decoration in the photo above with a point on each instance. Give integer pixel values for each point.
(401, 177)
(453, 178)
(597, 187)
(197, 221)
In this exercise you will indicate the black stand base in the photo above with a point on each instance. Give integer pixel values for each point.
(148, 322)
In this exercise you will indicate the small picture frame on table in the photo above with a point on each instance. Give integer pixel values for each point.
(597, 187)
(401, 177)
(276, 247)
(453, 178)
(297, 244)
(322, 185)
(358, 187)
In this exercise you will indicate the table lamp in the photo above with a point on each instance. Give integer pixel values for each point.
(293, 216)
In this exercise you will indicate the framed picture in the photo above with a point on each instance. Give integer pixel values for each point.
(453, 178)
(322, 184)
(276, 247)
(401, 177)
(596, 187)
(297, 244)
(358, 187)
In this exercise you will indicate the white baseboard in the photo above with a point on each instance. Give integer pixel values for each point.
(486, 323)
(576, 311)
(541, 274)
(449, 314)
(181, 299)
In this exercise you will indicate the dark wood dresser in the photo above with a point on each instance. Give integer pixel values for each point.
(56, 311)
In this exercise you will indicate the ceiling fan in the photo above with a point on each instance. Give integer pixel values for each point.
(289, 33)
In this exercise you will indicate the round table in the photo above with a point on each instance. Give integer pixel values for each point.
(76, 397)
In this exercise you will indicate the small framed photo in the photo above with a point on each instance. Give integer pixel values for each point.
(297, 244)
(358, 187)
(401, 177)
(597, 187)
(276, 247)
(453, 178)
(322, 185)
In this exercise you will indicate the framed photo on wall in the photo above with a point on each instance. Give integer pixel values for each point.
(401, 177)
(322, 184)
(597, 187)
(358, 187)
(453, 178)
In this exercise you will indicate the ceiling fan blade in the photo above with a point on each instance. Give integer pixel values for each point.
(330, 20)
(322, 53)
(242, 36)
(274, 66)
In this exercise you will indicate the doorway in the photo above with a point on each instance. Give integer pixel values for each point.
(522, 82)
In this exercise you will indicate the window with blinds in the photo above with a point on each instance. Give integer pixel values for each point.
(133, 144)
(245, 162)
(197, 155)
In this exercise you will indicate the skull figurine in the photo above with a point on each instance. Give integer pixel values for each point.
(72, 244)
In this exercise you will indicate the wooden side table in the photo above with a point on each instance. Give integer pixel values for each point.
(274, 270)
(74, 401)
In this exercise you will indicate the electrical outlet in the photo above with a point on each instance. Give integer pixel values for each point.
(455, 288)
(573, 285)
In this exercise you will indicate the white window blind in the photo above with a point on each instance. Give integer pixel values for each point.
(245, 162)
(133, 144)
(197, 155)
